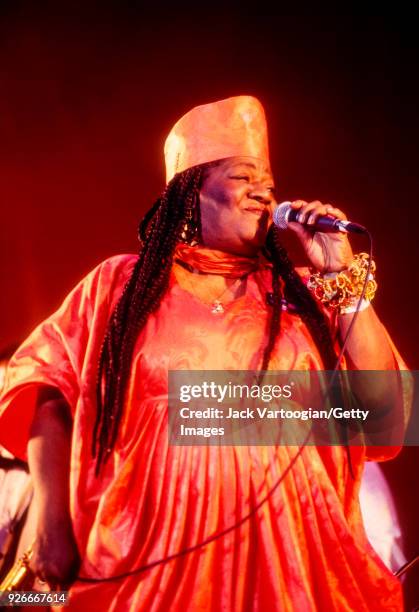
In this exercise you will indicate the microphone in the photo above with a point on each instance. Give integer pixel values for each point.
(284, 213)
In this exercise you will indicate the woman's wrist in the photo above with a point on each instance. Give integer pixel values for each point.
(53, 512)
(341, 291)
(352, 308)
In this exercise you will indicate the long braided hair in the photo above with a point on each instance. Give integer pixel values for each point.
(175, 216)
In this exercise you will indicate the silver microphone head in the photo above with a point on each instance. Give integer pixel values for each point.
(280, 215)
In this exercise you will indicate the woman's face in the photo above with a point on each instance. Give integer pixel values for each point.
(236, 202)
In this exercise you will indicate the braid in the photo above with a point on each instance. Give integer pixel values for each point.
(159, 231)
(298, 293)
(275, 320)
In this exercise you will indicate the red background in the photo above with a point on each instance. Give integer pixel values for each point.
(89, 93)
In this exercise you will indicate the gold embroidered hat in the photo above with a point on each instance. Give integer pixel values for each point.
(227, 128)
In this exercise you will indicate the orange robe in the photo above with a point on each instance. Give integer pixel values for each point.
(304, 550)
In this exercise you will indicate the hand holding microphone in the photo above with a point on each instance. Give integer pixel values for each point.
(329, 222)
(322, 229)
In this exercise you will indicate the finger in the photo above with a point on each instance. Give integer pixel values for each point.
(335, 212)
(321, 210)
(318, 210)
(296, 204)
(52, 583)
(304, 209)
(311, 211)
(302, 206)
(42, 585)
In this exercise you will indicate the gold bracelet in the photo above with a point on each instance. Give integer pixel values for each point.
(342, 290)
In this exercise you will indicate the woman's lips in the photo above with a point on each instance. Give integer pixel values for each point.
(256, 210)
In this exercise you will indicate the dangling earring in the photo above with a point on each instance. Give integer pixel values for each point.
(189, 232)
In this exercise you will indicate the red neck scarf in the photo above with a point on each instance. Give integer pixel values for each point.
(210, 261)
